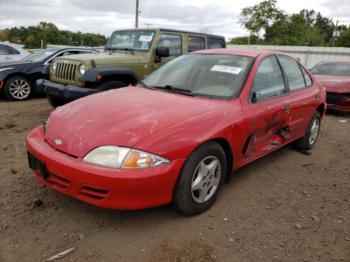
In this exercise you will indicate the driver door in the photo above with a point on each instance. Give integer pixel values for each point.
(174, 43)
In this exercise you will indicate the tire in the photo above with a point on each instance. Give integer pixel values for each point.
(55, 101)
(308, 141)
(110, 85)
(189, 200)
(18, 88)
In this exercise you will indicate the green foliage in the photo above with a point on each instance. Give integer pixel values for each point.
(344, 39)
(49, 33)
(261, 16)
(304, 28)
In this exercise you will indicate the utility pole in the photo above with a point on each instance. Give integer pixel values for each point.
(137, 14)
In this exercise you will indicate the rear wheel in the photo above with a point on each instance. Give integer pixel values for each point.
(200, 180)
(18, 88)
(307, 142)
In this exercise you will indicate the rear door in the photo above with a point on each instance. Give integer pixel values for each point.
(303, 98)
(267, 112)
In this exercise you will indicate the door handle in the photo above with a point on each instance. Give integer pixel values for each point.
(286, 108)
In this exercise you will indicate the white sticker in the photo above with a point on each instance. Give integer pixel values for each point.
(226, 69)
(145, 38)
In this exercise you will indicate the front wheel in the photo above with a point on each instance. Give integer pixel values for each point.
(55, 101)
(307, 142)
(18, 88)
(200, 180)
(110, 85)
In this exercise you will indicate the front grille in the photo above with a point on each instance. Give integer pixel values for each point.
(66, 71)
(337, 98)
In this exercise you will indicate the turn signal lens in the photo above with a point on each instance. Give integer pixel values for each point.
(140, 159)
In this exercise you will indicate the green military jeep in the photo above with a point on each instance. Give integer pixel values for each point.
(129, 55)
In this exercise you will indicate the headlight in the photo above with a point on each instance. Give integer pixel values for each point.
(54, 66)
(82, 69)
(123, 157)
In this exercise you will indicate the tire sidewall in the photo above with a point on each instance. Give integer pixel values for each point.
(7, 92)
(306, 141)
(183, 191)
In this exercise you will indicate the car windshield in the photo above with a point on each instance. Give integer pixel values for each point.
(130, 40)
(40, 55)
(215, 76)
(334, 69)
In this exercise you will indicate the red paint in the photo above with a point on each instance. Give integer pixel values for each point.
(169, 125)
(336, 86)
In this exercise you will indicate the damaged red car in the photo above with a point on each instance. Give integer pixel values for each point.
(335, 77)
(177, 136)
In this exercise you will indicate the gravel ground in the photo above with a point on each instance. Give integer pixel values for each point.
(287, 206)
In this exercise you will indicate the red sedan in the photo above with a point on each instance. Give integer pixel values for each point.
(179, 134)
(335, 77)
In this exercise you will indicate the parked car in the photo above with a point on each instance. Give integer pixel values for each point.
(335, 77)
(139, 50)
(176, 136)
(19, 79)
(11, 52)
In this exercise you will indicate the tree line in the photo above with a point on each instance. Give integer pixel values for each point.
(48, 33)
(267, 24)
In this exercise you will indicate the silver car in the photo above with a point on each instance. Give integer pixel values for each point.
(11, 52)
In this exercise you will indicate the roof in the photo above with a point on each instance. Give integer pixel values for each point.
(235, 51)
(172, 30)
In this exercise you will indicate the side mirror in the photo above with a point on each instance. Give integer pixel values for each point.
(163, 52)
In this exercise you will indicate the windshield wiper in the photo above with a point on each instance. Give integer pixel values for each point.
(174, 89)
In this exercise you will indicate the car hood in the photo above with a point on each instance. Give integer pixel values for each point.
(335, 84)
(105, 58)
(120, 117)
(13, 63)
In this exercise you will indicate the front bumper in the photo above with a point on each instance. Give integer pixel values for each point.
(66, 92)
(338, 101)
(99, 186)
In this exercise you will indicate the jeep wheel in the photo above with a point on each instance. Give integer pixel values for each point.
(17, 88)
(55, 101)
(110, 85)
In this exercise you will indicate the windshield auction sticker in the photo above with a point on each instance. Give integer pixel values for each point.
(145, 38)
(226, 69)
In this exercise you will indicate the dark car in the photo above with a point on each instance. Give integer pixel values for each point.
(335, 77)
(18, 80)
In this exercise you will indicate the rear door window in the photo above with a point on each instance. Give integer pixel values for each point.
(293, 73)
(268, 80)
(216, 43)
(173, 42)
(195, 43)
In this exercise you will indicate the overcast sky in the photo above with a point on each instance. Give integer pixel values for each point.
(105, 16)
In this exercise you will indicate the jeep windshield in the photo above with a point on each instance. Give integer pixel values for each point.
(213, 76)
(130, 40)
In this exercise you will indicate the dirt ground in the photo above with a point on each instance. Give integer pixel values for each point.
(287, 206)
